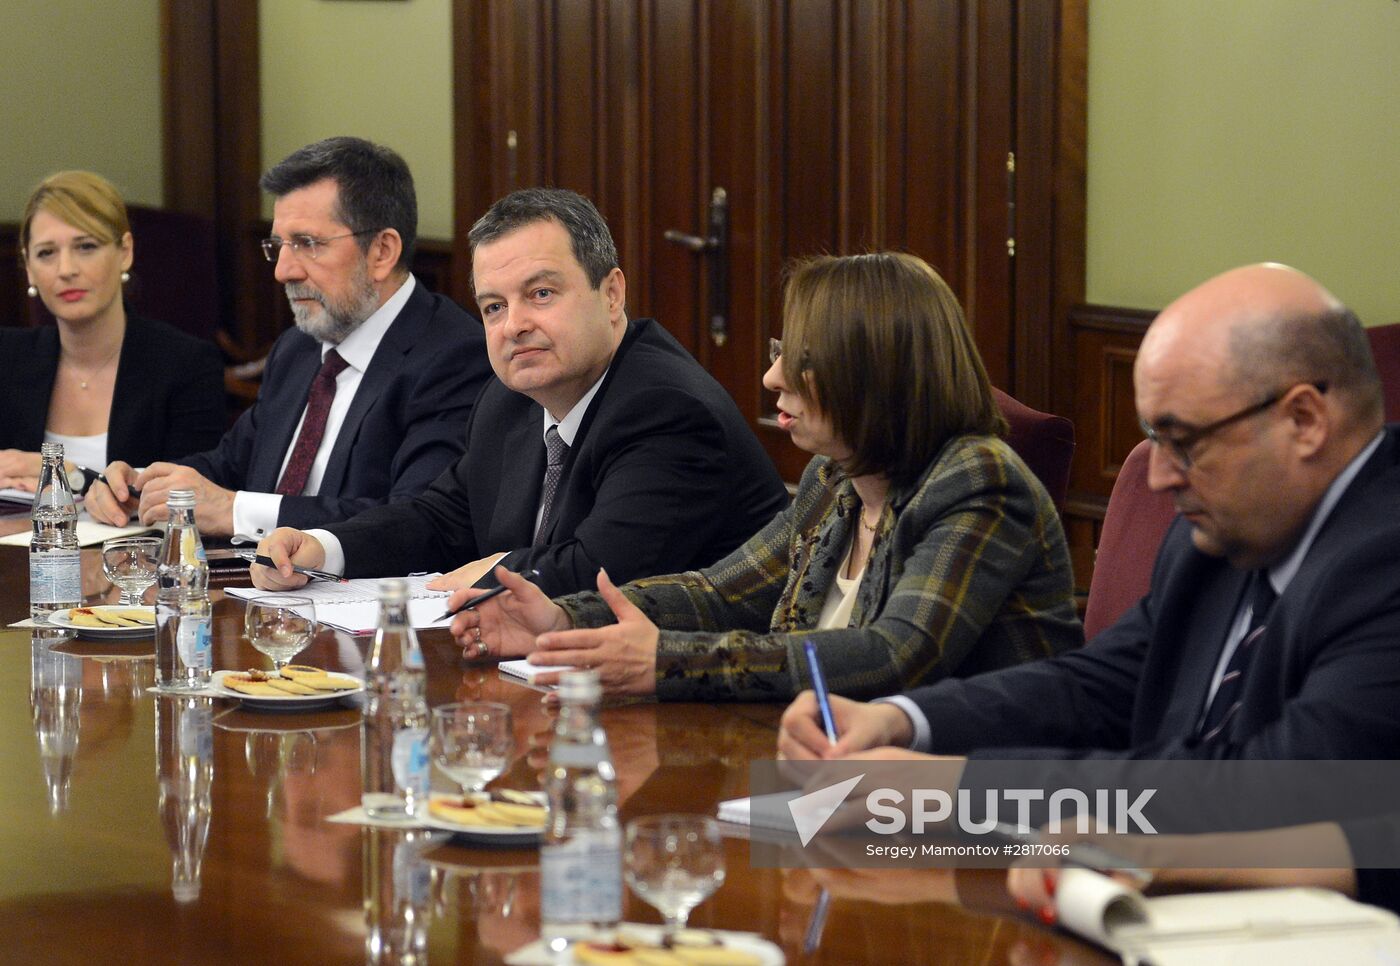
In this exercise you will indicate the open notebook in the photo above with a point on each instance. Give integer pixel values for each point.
(353, 606)
(1267, 927)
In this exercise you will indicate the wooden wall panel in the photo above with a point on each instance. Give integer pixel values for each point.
(670, 166)
(934, 143)
(834, 125)
(14, 303)
(1105, 341)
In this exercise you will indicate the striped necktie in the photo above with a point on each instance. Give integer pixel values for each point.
(1227, 696)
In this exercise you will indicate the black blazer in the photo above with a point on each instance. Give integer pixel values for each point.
(168, 398)
(664, 475)
(404, 427)
(1324, 681)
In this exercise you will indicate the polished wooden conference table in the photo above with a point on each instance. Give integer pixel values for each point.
(107, 856)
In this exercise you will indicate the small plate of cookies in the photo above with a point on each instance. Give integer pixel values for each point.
(299, 687)
(107, 621)
(646, 945)
(500, 817)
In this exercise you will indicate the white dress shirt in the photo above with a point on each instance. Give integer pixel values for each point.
(568, 432)
(255, 514)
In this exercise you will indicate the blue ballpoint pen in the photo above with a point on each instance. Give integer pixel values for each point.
(819, 686)
(813, 938)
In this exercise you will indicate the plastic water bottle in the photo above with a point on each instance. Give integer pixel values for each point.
(55, 571)
(581, 855)
(394, 750)
(185, 773)
(183, 611)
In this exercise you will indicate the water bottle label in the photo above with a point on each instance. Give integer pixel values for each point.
(575, 755)
(412, 875)
(197, 732)
(193, 643)
(55, 577)
(410, 760)
(581, 879)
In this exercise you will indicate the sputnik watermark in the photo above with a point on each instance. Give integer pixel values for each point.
(932, 808)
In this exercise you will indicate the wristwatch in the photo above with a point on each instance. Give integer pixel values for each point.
(80, 478)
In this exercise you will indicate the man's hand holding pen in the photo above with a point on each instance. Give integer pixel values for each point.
(292, 553)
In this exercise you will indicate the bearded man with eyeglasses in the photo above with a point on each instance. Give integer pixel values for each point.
(365, 401)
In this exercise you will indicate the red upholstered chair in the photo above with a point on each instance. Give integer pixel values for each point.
(1045, 442)
(1385, 346)
(1133, 527)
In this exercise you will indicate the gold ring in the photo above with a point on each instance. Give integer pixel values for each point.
(481, 649)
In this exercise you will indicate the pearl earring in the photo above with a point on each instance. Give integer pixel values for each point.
(126, 277)
(33, 292)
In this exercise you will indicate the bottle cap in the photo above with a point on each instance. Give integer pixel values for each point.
(180, 499)
(394, 590)
(578, 687)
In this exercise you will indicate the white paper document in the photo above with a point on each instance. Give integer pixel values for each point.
(353, 606)
(89, 534)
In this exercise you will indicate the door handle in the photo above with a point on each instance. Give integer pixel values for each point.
(715, 246)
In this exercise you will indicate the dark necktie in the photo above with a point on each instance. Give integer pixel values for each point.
(556, 451)
(313, 427)
(1227, 696)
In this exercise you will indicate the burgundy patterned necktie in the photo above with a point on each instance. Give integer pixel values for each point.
(556, 451)
(313, 427)
(1227, 696)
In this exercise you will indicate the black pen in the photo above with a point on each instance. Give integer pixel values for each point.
(313, 574)
(483, 598)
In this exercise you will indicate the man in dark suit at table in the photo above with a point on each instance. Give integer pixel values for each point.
(604, 443)
(1271, 625)
(365, 400)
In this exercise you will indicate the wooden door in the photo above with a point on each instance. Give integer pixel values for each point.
(830, 126)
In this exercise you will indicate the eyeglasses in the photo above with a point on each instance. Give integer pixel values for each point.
(308, 244)
(775, 349)
(1179, 448)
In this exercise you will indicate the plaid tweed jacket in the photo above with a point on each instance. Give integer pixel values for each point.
(969, 572)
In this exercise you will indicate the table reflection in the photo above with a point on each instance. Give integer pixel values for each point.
(55, 694)
(397, 883)
(185, 775)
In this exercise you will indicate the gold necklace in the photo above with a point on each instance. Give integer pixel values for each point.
(876, 527)
(83, 383)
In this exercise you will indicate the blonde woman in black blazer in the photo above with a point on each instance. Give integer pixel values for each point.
(149, 389)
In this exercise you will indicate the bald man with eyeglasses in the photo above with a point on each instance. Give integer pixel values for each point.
(366, 400)
(1271, 629)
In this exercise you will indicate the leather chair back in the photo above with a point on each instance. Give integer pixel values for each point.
(1044, 441)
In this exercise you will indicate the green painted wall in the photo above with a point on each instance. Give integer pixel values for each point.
(1223, 132)
(381, 71)
(81, 89)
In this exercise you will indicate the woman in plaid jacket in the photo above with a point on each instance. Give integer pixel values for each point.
(918, 546)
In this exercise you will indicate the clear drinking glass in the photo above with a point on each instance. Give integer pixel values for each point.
(472, 742)
(280, 626)
(673, 863)
(130, 563)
